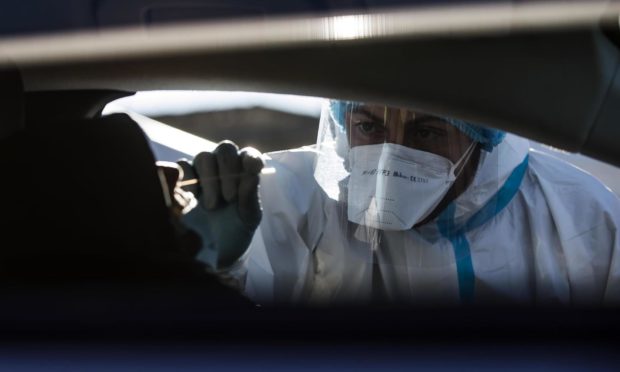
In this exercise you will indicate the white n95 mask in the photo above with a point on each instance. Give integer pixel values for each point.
(393, 187)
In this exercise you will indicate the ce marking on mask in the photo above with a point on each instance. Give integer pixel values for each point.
(397, 174)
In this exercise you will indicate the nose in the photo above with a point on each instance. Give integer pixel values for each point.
(396, 123)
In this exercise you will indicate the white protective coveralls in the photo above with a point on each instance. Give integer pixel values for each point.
(529, 229)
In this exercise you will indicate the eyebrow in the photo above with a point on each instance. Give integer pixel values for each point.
(361, 110)
(424, 118)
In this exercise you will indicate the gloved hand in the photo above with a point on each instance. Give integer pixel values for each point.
(228, 210)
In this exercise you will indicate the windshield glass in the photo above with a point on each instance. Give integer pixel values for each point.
(366, 202)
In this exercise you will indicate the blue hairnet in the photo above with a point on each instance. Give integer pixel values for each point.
(487, 137)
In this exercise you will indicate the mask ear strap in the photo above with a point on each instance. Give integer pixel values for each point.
(460, 165)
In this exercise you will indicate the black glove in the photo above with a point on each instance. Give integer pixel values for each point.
(228, 210)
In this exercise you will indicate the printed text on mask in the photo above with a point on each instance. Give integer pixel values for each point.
(388, 173)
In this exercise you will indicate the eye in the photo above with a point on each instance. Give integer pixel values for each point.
(428, 133)
(369, 128)
(424, 133)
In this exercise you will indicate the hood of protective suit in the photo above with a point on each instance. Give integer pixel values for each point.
(493, 171)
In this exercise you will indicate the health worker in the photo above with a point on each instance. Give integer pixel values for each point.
(397, 206)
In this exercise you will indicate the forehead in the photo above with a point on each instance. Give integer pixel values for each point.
(381, 110)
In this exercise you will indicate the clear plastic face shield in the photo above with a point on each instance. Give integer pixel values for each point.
(393, 172)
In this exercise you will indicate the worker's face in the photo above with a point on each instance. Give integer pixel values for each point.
(370, 124)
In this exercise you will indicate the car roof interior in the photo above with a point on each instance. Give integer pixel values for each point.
(550, 80)
(553, 77)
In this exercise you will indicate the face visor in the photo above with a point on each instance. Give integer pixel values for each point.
(393, 167)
